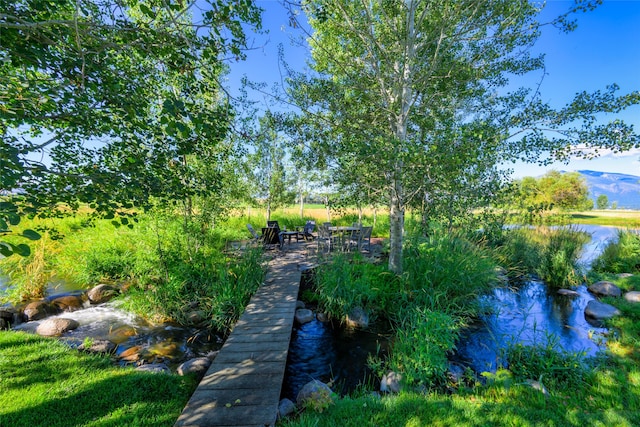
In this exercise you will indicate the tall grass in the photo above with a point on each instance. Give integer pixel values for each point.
(446, 272)
(551, 254)
(620, 256)
(348, 282)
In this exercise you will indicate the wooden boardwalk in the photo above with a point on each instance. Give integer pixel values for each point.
(242, 386)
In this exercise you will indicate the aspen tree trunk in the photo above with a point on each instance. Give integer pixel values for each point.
(403, 97)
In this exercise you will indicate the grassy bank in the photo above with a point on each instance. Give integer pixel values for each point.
(44, 383)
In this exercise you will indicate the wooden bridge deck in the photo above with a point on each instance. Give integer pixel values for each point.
(242, 386)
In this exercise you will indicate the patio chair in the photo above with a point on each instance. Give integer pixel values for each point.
(365, 238)
(306, 232)
(271, 224)
(272, 236)
(353, 239)
(324, 239)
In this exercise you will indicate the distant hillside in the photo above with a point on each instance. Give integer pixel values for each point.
(620, 188)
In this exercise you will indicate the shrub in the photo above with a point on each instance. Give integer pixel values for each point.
(550, 253)
(349, 282)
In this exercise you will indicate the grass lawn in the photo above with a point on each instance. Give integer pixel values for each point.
(44, 383)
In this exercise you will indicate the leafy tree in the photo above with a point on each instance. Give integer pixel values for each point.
(270, 177)
(417, 91)
(554, 190)
(602, 202)
(105, 102)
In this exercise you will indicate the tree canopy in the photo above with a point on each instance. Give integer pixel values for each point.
(104, 102)
(418, 94)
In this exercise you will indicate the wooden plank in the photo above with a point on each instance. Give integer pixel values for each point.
(263, 415)
(242, 386)
(253, 348)
(245, 367)
(269, 383)
(264, 356)
(241, 336)
(255, 329)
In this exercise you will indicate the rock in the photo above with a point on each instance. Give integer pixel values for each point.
(455, 372)
(357, 318)
(56, 327)
(322, 317)
(159, 368)
(624, 275)
(131, 354)
(102, 293)
(633, 296)
(598, 310)
(604, 288)
(68, 303)
(304, 315)
(197, 317)
(98, 346)
(197, 366)
(537, 385)
(9, 316)
(316, 395)
(300, 304)
(122, 333)
(38, 310)
(568, 293)
(285, 408)
(391, 383)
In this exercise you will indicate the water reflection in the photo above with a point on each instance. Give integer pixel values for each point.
(529, 315)
(331, 353)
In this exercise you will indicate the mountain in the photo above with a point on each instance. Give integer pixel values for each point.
(622, 189)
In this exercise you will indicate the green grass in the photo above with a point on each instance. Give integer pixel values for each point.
(44, 383)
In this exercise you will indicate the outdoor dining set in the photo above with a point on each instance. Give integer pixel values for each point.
(328, 237)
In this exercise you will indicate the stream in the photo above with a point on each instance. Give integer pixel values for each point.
(528, 314)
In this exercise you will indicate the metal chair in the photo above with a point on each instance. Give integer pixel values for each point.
(365, 236)
(306, 232)
(324, 238)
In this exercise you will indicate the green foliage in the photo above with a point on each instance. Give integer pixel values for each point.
(446, 272)
(349, 282)
(548, 364)
(537, 197)
(65, 71)
(423, 340)
(549, 253)
(10, 216)
(602, 202)
(621, 255)
(558, 264)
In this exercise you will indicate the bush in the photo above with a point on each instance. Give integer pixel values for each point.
(550, 253)
(559, 262)
(349, 282)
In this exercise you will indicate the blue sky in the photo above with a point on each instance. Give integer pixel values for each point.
(604, 49)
